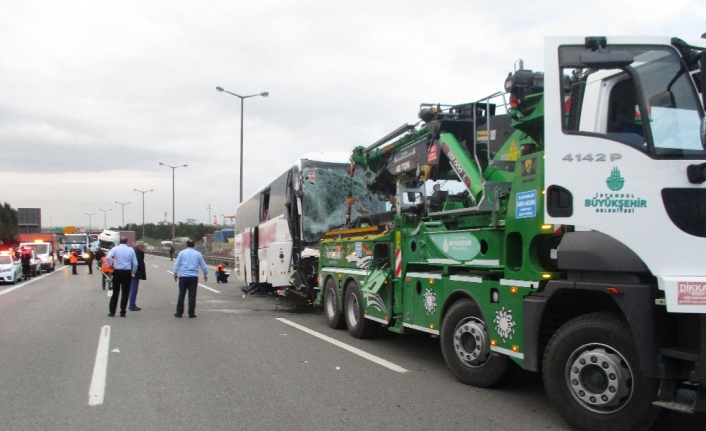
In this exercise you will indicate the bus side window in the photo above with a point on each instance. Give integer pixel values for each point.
(264, 205)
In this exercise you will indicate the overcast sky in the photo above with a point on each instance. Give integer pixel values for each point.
(93, 95)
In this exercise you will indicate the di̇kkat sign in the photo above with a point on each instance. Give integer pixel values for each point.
(691, 293)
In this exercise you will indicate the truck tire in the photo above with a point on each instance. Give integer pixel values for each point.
(334, 316)
(358, 325)
(592, 376)
(465, 345)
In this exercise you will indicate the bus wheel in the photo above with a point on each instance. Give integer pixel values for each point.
(334, 317)
(358, 325)
(466, 347)
(592, 376)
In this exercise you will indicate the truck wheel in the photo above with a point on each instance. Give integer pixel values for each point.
(334, 317)
(466, 347)
(592, 376)
(358, 325)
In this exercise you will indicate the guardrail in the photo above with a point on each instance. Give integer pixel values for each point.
(211, 259)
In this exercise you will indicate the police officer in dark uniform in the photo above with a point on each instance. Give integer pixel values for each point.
(89, 260)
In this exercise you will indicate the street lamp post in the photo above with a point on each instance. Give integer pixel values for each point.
(105, 224)
(242, 99)
(89, 220)
(123, 205)
(143, 209)
(173, 168)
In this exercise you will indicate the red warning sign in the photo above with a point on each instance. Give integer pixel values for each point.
(691, 293)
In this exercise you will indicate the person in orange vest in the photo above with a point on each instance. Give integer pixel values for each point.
(221, 274)
(106, 270)
(73, 260)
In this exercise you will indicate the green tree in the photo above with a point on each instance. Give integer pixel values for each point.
(8, 223)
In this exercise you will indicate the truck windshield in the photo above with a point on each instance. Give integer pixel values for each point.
(75, 239)
(616, 102)
(324, 201)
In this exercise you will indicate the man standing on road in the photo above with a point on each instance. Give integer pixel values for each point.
(171, 252)
(125, 266)
(89, 259)
(186, 270)
(141, 274)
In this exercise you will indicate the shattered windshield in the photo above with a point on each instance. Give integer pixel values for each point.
(324, 200)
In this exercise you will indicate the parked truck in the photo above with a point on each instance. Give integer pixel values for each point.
(80, 242)
(571, 243)
(44, 245)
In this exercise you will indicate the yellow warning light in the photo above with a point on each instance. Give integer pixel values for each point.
(340, 275)
(431, 281)
(409, 279)
(547, 226)
(431, 326)
(386, 318)
(366, 313)
(283, 272)
(514, 290)
(493, 343)
(38, 240)
(384, 282)
(546, 276)
(515, 348)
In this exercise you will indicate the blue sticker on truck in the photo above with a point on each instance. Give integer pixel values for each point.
(526, 204)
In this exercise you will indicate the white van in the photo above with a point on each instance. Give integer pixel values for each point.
(44, 252)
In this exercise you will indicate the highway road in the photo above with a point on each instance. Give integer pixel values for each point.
(245, 363)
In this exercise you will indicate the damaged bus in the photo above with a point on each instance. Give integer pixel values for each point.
(277, 229)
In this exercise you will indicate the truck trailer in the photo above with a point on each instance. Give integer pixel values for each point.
(557, 226)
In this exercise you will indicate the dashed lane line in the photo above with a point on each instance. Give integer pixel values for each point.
(344, 346)
(96, 391)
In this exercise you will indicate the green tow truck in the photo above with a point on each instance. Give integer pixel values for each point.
(563, 235)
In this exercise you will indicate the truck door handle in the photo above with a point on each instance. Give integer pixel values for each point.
(560, 202)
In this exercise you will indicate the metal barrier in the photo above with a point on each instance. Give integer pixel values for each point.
(209, 258)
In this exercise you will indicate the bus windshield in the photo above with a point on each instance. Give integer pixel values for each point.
(324, 201)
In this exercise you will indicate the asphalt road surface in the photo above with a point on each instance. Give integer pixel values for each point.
(245, 363)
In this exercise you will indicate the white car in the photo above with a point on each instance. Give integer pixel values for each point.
(10, 268)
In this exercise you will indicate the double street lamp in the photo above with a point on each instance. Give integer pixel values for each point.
(123, 204)
(173, 168)
(143, 209)
(242, 99)
(105, 225)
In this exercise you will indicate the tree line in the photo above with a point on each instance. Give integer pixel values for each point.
(8, 223)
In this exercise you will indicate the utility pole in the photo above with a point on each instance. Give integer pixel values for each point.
(209, 214)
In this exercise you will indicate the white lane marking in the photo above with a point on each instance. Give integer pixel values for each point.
(361, 353)
(170, 272)
(100, 370)
(206, 287)
(25, 283)
(154, 265)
